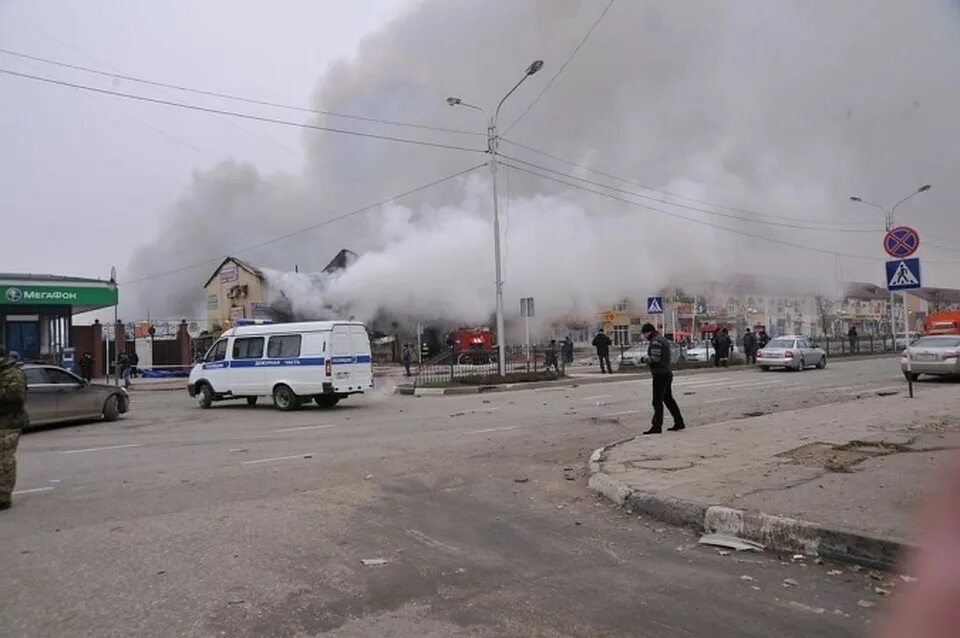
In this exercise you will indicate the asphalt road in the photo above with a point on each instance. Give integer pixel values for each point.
(245, 521)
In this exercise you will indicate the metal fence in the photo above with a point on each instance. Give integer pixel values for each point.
(869, 344)
(480, 366)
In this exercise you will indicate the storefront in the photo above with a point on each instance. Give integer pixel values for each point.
(36, 311)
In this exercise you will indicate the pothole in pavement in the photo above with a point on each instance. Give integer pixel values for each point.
(841, 458)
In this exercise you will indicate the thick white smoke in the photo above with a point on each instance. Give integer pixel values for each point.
(786, 108)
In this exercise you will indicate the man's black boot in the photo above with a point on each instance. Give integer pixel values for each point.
(656, 429)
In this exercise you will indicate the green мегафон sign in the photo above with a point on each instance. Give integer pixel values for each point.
(57, 296)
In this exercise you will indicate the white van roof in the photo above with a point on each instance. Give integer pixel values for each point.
(286, 328)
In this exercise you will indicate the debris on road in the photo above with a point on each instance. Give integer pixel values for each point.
(522, 479)
(686, 394)
(797, 557)
(723, 552)
(866, 604)
(747, 578)
(754, 413)
(373, 562)
(368, 477)
(908, 579)
(730, 542)
(881, 591)
(789, 582)
(802, 606)
(461, 570)
(835, 572)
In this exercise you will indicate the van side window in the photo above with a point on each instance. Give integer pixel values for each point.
(285, 346)
(249, 348)
(217, 352)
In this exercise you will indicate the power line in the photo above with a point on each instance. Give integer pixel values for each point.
(663, 192)
(692, 208)
(308, 228)
(246, 116)
(711, 224)
(237, 98)
(690, 219)
(562, 66)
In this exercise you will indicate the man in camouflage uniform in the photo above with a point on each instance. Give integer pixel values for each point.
(13, 418)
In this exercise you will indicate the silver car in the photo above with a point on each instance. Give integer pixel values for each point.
(935, 355)
(56, 396)
(792, 352)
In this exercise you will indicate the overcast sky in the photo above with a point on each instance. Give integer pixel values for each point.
(84, 179)
(785, 107)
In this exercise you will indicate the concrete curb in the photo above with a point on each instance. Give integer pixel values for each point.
(777, 533)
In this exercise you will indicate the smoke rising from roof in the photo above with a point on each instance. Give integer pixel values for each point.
(786, 108)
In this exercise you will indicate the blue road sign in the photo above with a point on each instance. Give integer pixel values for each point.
(654, 305)
(903, 274)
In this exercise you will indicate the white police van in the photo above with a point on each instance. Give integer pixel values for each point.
(291, 362)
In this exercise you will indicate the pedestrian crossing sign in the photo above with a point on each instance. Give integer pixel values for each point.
(654, 305)
(903, 274)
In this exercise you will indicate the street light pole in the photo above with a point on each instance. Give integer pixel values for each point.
(492, 149)
(890, 220)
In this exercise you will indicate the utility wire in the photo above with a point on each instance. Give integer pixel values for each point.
(308, 228)
(692, 208)
(663, 192)
(237, 98)
(562, 66)
(713, 225)
(246, 116)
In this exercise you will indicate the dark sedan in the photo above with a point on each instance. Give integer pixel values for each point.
(56, 396)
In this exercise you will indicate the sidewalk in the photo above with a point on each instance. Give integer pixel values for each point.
(146, 384)
(842, 480)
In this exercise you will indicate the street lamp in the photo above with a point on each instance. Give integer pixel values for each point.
(492, 144)
(890, 221)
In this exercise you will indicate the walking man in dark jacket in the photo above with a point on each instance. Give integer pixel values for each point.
(406, 357)
(658, 358)
(602, 343)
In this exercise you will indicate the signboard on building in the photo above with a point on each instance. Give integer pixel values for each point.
(213, 302)
(229, 273)
(57, 296)
(259, 310)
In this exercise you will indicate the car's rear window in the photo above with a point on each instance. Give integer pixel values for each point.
(781, 343)
(937, 342)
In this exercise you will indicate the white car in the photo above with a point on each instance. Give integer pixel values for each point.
(792, 352)
(703, 351)
(637, 355)
(937, 355)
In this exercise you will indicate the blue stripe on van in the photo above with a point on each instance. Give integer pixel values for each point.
(285, 361)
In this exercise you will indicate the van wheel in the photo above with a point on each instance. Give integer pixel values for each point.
(327, 400)
(111, 409)
(251, 401)
(285, 399)
(205, 396)
(822, 363)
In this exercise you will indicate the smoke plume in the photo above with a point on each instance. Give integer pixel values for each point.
(785, 108)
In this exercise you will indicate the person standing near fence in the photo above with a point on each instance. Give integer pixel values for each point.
(750, 346)
(406, 357)
(602, 343)
(853, 336)
(552, 357)
(658, 358)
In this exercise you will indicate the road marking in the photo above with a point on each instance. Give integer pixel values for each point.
(278, 458)
(100, 449)
(308, 427)
(599, 396)
(716, 400)
(32, 491)
(509, 427)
